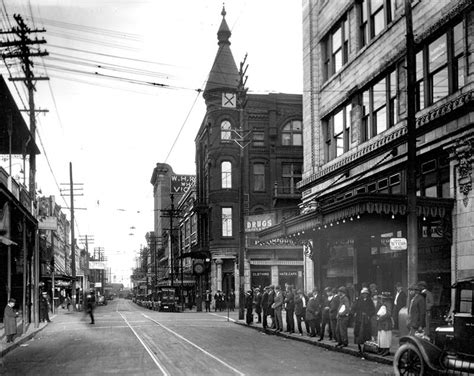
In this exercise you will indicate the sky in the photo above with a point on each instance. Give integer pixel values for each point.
(123, 96)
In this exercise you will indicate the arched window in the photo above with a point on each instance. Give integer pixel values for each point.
(226, 132)
(226, 174)
(292, 134)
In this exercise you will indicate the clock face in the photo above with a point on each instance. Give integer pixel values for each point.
(198, 268)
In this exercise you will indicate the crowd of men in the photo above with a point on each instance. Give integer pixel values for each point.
(373, 314)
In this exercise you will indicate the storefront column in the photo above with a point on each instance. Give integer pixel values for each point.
(275, 279)
(219, 274)
(309, 274)
(213, 277)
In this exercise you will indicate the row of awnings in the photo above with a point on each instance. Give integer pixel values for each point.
(348, 209)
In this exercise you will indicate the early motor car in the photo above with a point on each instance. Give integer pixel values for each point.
(451, 352)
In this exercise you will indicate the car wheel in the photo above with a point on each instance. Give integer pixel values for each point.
(408, 361)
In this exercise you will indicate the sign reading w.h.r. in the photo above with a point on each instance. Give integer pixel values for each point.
(181, 183)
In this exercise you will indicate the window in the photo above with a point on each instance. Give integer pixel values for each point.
(440, 67)
(379, 106)
(258, 139)
(433, 179)
(374, 15)
(338, 132)
(290, 174)
(226, 132)
(259, 177)
(336, 48)
(292, 134)
(226, 173)
(226, 221)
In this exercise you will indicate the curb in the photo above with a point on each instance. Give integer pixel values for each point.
(345, 350)
(21, 340)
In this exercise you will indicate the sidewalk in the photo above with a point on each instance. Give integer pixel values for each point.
(351, 349)
(22, 338)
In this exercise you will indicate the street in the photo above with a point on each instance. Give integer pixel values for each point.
(130, 340)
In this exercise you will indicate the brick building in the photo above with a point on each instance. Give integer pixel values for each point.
(355, 148)
(248, 162)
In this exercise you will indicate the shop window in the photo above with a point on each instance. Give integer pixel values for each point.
(379, 106)
(336, 48)
(433, 180)
(440, 66)
(258, 139)
(226, 130)
(292, 134)
(226, 217)
(259, 177)
(465, 301)
(226, 174)
(338, 130)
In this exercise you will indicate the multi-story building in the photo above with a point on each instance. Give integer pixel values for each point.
(354, 182)
(163, 263)
(19, 275)
(248, 162)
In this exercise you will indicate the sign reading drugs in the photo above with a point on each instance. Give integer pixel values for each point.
(181, 183)
(254, 223)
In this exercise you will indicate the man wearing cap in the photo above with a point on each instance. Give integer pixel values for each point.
(207, 301)
(416, 310)
(429, 301)
(290, 309)
(271, 299)
(44, 307)
(257, 300)
(343, 317)
(300, 310)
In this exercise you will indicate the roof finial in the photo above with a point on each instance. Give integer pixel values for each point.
(223, 13)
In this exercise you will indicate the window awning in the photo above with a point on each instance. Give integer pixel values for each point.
(329, 212)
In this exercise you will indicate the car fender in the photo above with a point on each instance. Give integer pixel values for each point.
(431, 353)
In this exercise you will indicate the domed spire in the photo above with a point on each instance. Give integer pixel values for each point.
(224, 33)
(224, 74)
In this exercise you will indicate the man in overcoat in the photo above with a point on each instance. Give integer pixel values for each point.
(290, 309)
(343, 317)
(300, 310)
(207, 300)
(416, 310)
(278, 307)
(9, 320)
(265, 307)
(258, 304)
(399, 302)
(271, 310)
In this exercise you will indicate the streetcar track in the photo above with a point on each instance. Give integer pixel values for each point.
(160, 324)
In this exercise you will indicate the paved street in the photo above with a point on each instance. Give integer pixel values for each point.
(130, 340)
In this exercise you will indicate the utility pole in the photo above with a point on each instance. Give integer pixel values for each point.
(412, 220)
(241, 103)
(171, 213)
(21, 49)
(73, 239)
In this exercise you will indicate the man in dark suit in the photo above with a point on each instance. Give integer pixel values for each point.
(207, 300)
(265, 307)
(416, 310)
(318, 304)
(271, 299)
(290, 309)
(399, 302)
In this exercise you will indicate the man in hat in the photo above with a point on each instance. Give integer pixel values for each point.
(265, 307)
(429, 301)
(9, 320)
(278, 307)
(257, 300)
(271, 299)
(207, 300)
(290, 309)
(44, 307)
(416, 310)
(343, 317)
(399, 302)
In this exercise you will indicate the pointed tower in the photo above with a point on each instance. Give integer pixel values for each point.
(224, 75)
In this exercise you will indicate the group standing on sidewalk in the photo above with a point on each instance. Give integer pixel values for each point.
(330, 312)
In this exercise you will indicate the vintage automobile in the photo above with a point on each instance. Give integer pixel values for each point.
(452, 349)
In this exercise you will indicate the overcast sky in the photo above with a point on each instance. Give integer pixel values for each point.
(122, 96)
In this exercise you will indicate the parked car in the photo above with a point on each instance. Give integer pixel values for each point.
(452, 351)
